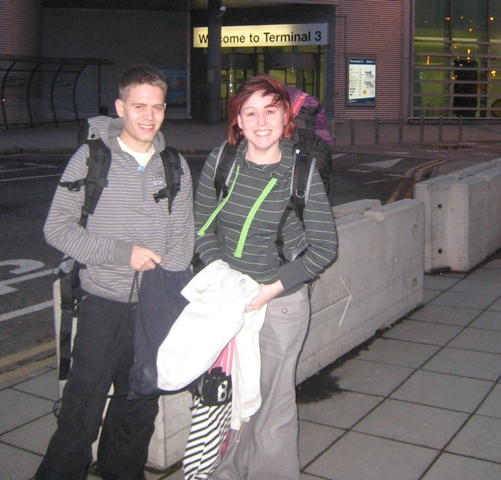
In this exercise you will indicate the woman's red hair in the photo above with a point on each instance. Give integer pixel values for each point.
(267, 85)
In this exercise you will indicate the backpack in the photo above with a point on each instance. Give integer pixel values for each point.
(98, 163)
(308, 136)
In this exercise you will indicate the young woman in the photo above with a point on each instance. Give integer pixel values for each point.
(243, 235)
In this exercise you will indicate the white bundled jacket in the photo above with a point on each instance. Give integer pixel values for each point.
(219, 297)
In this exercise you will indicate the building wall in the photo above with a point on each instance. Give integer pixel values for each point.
(370, 28)
(20, 27)
(124, 37)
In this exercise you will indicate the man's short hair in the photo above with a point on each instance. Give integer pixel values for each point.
(140, 75)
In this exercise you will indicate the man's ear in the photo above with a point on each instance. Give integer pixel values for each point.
(119, 106)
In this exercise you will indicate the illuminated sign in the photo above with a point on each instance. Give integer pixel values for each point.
(265, 35)
(361, 82)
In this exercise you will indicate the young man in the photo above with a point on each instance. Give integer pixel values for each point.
(128, 233)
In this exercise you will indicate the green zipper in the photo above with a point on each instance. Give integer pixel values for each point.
(215, 213)
(250, 217)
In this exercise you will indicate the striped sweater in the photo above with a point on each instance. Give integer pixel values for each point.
(259, 258)
(126, 215)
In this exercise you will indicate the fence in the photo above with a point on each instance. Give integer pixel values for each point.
(436, 130)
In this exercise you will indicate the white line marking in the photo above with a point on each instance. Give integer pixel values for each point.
(30, 178)
(384, 163)
(377, 181)
(23, 265)
(5, 289)
(26, 311)
(24, 169)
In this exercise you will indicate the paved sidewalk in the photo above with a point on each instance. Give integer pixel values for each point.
(422, 401)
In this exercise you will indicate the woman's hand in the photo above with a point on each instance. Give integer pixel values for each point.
(266, 293)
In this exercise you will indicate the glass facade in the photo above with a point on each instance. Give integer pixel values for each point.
(301, 67)
(457, 58)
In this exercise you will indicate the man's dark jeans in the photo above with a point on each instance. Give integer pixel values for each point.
(103, 355)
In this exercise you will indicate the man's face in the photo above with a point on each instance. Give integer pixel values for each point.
(143, 112)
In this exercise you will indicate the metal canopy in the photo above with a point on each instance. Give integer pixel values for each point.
(18, 74)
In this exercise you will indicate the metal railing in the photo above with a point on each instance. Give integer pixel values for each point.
(423, 130)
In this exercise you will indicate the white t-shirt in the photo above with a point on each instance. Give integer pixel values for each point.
(141, 158)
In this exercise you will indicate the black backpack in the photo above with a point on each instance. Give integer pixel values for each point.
(98, 163)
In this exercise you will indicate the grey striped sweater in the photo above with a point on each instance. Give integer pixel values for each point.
(126, 215)
(260, 258)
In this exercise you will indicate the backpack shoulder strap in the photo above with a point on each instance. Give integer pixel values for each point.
(222, 170)
(99, 162)
(298, 103)
(98, 166)
(300, 190)
(173, 172)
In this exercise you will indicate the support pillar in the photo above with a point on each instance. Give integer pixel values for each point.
(216, 12)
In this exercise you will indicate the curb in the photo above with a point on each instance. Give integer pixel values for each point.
(71, 151)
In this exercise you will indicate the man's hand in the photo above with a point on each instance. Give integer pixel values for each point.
(266, 294)
(143, 259)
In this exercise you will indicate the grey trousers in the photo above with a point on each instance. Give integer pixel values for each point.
(268, 444)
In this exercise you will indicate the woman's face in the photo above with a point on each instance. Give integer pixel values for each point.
(261, 122)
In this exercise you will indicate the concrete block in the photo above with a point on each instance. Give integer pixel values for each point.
(358, 206)
(172, 427)
(435, 195)
(461, 208)
(471, 171)
(377, 279)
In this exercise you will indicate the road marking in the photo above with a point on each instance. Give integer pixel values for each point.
(409, 180)
(31, 352)
(5, 289)
(30, 178)
(384, 163)
(378, 181)
(23, 265)
(32, 367)
(26, 310)
(24, 169)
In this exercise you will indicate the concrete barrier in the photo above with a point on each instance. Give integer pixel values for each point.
(461, 217)
(377, 279)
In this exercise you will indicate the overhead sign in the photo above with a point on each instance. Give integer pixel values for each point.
(265, 35)
(361, 81)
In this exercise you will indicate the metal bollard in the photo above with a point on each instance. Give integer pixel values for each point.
(440, 124)
(421, 130)
(376, 130)
(460, 129)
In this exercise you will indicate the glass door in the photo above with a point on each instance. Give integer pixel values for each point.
(236, 68)
(300, 69)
